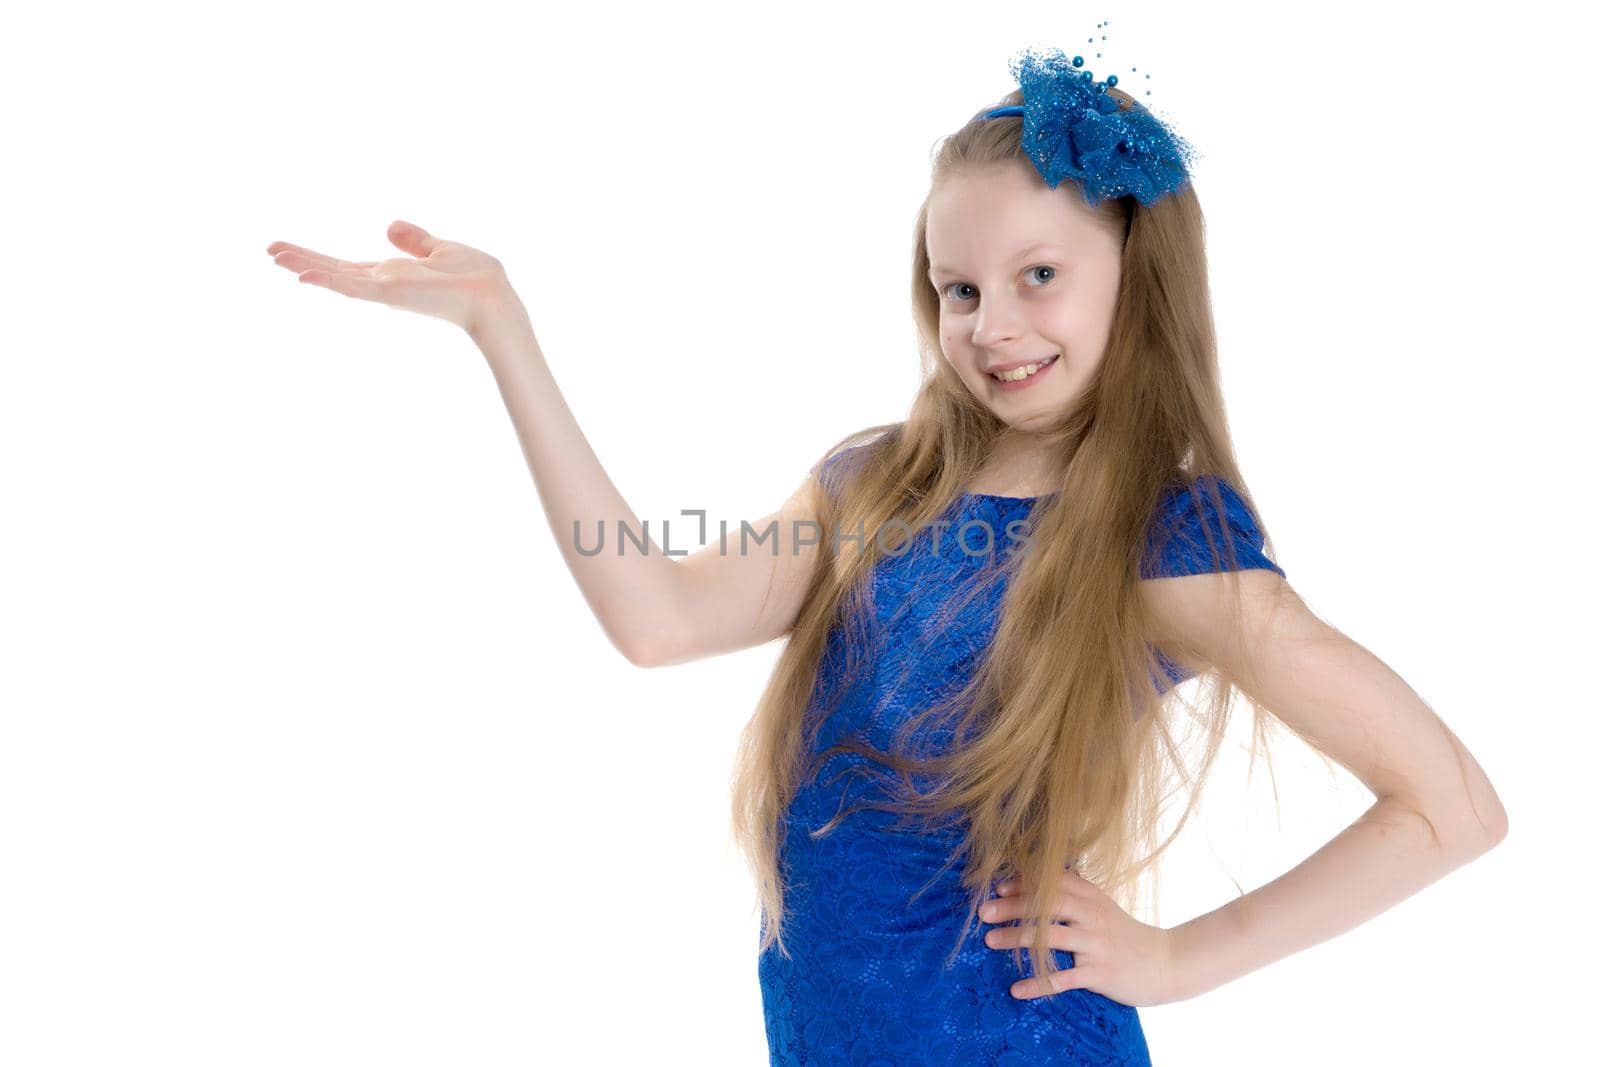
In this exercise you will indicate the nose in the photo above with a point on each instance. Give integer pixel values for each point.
(996, 323)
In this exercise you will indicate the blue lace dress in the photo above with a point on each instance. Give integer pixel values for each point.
(865, 982)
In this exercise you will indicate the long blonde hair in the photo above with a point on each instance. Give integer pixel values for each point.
(1067, 742)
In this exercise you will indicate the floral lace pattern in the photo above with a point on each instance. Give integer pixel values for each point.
(871, 918)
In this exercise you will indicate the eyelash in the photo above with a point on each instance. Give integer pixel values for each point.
(1038, 266)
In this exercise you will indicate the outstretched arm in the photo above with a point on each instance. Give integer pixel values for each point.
(659, 610)
(1435, 809)
(653, 609)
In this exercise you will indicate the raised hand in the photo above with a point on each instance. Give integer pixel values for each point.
(1113, 953)
(445, 279)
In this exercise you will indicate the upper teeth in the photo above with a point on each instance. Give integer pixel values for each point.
(1022, 372)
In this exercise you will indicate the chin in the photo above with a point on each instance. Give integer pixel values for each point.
(1036, 422)
(1041, 416)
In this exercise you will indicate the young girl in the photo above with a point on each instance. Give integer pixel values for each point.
(989, 608)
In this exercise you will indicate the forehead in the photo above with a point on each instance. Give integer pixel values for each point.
(976, 216)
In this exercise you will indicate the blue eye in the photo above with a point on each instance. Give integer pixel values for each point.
(946, 290)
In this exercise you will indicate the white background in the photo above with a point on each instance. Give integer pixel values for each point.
(310, 750)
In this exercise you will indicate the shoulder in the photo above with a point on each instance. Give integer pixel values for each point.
(836, 469)
(1217, 591)
(1204, 525)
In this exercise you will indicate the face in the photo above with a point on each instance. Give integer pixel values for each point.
(1025, 274)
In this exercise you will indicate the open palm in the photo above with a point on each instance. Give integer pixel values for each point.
(443, 279)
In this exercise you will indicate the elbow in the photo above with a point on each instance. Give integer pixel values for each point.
(1498, 826)
(1494, 832)
(640, 653)
(649, 649)
(641, 639)
(650, 631)
(1489, 828)
(1493, 817)
(1469, 822)
(1465, 830)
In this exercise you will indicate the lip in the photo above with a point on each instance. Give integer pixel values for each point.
(1014, 364)
(1023, 383)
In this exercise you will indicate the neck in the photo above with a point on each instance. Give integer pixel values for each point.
(1018, 465)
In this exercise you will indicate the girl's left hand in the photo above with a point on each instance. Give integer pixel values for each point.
(1113, 953)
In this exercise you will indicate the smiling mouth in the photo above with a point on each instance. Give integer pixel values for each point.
(1022, 372)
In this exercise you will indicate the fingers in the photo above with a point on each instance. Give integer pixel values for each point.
(1007, 908)
(406, 236)
(1068, 938)
(1070, 879)
(340, 275)
(350, 284)
(1064, 938)
(413, 239)
(300, 259)
(1060, 982)
(1069, 884)
(1073, 939)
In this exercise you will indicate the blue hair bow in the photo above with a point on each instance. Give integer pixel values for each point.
(1071, 128)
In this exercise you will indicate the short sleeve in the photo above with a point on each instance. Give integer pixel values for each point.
(836, 469)
(1189, 536)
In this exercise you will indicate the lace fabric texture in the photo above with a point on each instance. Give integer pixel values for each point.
(871, 918)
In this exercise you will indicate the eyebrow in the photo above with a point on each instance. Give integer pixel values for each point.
(1024, 254)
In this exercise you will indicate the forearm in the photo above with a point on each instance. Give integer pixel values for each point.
(1385, 856)
(634, 594)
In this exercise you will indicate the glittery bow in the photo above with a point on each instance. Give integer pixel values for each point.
(1071, 128)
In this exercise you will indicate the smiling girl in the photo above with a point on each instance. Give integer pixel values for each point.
(951, 729)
